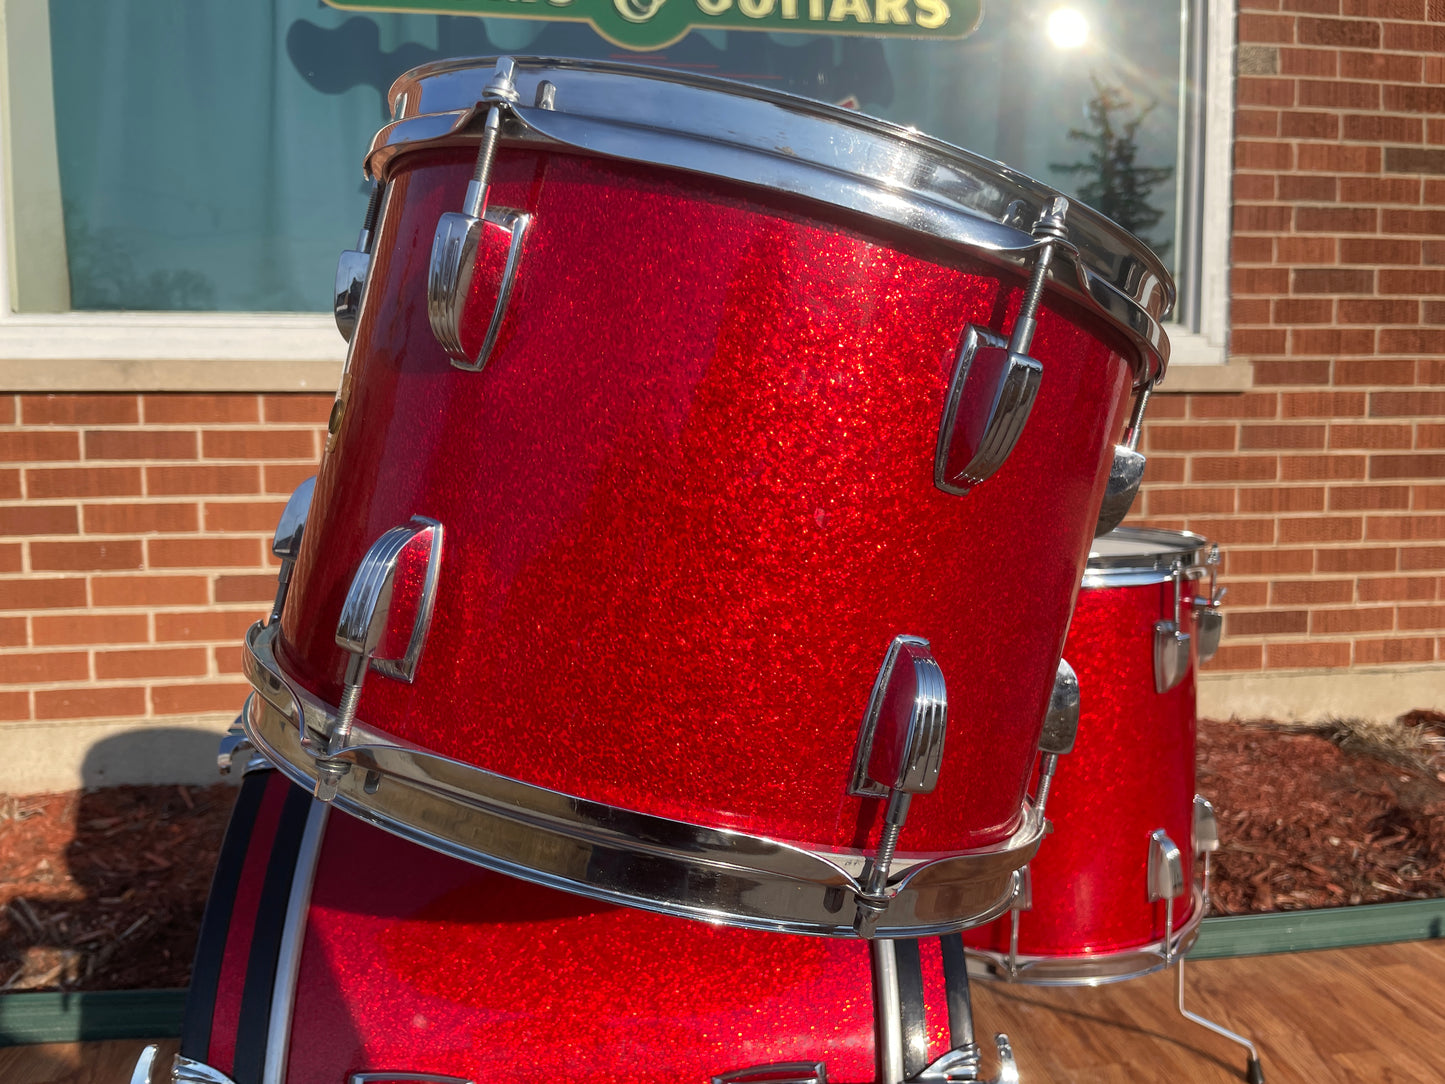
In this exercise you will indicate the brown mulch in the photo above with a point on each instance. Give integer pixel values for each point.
(104, 890)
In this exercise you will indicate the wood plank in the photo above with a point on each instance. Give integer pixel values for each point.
(79, 1063)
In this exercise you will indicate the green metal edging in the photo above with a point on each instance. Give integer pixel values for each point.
(90, 1016)
(1303, 931)
(151, 1014)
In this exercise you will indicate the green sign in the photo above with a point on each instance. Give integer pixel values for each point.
(651, 24)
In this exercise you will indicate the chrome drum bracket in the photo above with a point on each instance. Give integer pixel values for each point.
(1171, 645)
(352, 267)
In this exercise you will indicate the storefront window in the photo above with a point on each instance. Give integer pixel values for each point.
(209, 154)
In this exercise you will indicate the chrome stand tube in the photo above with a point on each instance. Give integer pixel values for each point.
(887, 1013)
(1253, 1071)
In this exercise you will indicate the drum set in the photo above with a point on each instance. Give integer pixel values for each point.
(665, 677)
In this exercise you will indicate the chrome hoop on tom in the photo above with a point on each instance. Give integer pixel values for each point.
(713, 421)
(1115, 891)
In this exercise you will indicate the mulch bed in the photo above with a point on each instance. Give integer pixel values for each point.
(104, 890)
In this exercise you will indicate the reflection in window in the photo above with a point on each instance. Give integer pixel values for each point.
(210, 154)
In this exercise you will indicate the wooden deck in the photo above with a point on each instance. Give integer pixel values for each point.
(1375, 1013)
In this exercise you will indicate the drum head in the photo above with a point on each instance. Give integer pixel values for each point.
(1139, 555)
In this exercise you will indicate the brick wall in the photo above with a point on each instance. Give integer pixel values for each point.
(135, 546)
(1325, 484)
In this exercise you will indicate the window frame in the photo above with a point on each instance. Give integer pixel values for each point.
(55, 349)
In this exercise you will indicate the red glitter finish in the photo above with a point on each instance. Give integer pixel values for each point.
(231, 982)
(690, 501)
(416, 962)
(1131, 772)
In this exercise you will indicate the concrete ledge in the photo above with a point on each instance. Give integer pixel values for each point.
(42, 758)
(1310, 695)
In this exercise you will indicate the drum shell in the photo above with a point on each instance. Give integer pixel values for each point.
(690, 501)
(413, 962)
(1131, 772)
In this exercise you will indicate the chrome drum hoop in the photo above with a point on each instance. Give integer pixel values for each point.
(838, 157)
(1135, 556)
(616, 855)
(1094, 969)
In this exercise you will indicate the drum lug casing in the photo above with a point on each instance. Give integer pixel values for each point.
(1166, 882)
(286, 542)
(1171, 646)
(1126, 472)
(183, 1071)
(963, 1065)
(352, 267)
(1208, 621)
(783, 1072)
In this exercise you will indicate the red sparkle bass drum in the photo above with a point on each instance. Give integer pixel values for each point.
(334, 953)
(701, 451)
(1114, 892)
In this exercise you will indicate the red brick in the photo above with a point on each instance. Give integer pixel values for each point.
(1393, 650)
(1306, 250)
(85, 556)
(1307, 656)
(204, 552)
(1399, 99)
(1406, 404)
(149, 590)
(1311, 592)
(1256, 122)
(1412, 37)
(1430, 371)
(10, 489)
(1291, 437)
(1401, 466)
(42, 667)
(1254, 219)
(228, 660)
(1331, 341)
(139, 444)
(1338, 158)
(14, 632)
(1359, 33)
(1333, 467)
(1265, 91)
(1192, 501)
(1257, 343)
(285, 477)
(1168, 406)
(1322, 404)
(1422, 617)
(1356, 619)
(1414, 281)
(205, 625)
(1244, 311)
(1265, 622)
(1321, 63)
(140, 518)
(1386, 9)
(1265, 29)
(1189, 438)
(265, 444)
(38, 519)
(1249, 594)
(1337, 94)
(152, 662)
(1429, 497)
(14, 706)
(1233, 468)
(1357, 310)
(41, 593)
(1380, 189)
(1369, 498)
(1304, 310)
(1237, 657)
(7, 410)
(1259, 280)
(1374, 559)
(1380, 250)
(1282, 499)
(1338, 220)
(1269, 562)
(43, 482)
(12, 557)
(1322, 529)
(1413, 223)
(1405, 528)
(1251, 249)
(89, 703)
(1397, 589)
(1433, 252)
(258, 588)
(1430, 436)
(1369, 436)
(1250, 404)
(1253, 188)
(1164, 470)
(1332, 280)
(78, 409)
(1374, 371)
(297, 409)
(1382, 67)
(80, 629)
(1421, 558)
(1252, 154)
(187, 699)
(206, 480)
(38, 446)
(243, 516)
(201, 409)
(1267, 373)
(1376, 128)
